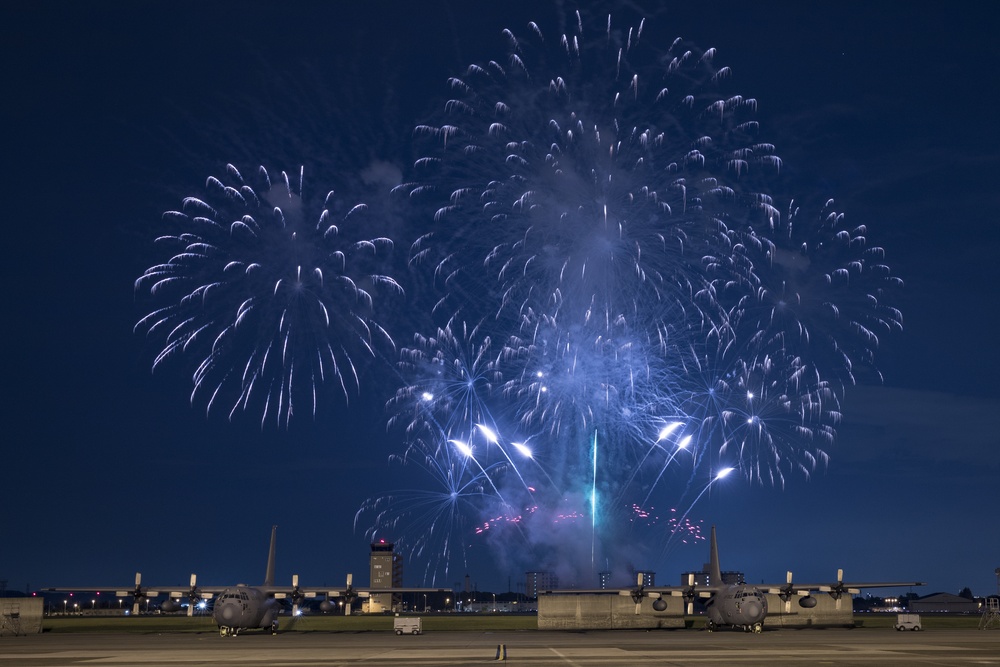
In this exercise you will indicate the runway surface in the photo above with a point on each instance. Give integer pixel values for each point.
(377, 649)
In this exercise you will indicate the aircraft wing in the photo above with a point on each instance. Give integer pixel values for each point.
(834, 588)
(121, 591)
(137, 589)
(366, 592)
(663, 590)
(845, 585)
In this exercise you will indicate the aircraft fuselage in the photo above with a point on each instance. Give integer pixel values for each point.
(737, 605)
(245, 607)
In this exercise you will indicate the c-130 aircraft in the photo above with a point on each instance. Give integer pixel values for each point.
(742, 606)
(244, 607)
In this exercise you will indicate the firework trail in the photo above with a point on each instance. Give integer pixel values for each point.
(437, 519)
(273, 304)
(600, 208)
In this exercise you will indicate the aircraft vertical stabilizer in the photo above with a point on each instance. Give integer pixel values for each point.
(269, 576)
(714, 571)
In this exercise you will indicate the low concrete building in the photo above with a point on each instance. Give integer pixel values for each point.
(21, 616)
(589, 611)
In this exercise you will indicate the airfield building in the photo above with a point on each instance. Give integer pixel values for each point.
(386, 571)
(536, 582)
(701, 578)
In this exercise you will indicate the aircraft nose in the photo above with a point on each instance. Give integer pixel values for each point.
(753, 609)
(228, 612)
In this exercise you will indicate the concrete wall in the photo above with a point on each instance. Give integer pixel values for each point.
(824, 614)
(601, 612)
(614, 612)
(21, 616)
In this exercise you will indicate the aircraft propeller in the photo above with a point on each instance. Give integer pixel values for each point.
(348, 593)
(137, 593)
(836, 591)
(689, 594)
(786, 592)
(192, 594)
(638, 593)
(297, 595)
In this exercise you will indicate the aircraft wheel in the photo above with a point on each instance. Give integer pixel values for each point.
(222, 631)
(758, 627)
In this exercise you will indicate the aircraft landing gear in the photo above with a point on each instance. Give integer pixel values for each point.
(756, 628)
(227, 632)
(710, 625)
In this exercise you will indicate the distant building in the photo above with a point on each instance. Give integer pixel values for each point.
(648, 577)
(539, 581)
(386, 570)
(943, 602)
(701, 578)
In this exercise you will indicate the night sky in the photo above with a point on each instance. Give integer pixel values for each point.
(115, 111)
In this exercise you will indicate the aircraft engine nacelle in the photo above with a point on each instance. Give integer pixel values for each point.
(807, 602)
(170, 606)
(326, 606)
(659, 604)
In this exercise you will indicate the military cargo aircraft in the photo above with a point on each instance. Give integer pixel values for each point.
(244, 607)
(742, 606)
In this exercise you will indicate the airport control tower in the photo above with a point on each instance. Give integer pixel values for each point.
(386, 572)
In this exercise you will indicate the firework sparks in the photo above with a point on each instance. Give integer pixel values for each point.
(272, 303)
(647, 317)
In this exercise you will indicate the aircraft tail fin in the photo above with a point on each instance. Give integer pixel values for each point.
(714, 571)
(269, 575)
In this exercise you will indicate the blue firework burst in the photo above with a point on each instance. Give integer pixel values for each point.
(272, 303)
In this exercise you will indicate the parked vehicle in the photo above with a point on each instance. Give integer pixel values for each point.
(407, 625)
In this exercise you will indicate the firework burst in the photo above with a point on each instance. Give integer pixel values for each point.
(648, 318)
(272, 303)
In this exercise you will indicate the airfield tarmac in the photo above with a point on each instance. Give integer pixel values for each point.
(378, 649)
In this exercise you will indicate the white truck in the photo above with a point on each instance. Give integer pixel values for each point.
(408, 625)
(907, 622)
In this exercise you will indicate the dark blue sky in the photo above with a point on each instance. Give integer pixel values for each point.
(115, 111)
